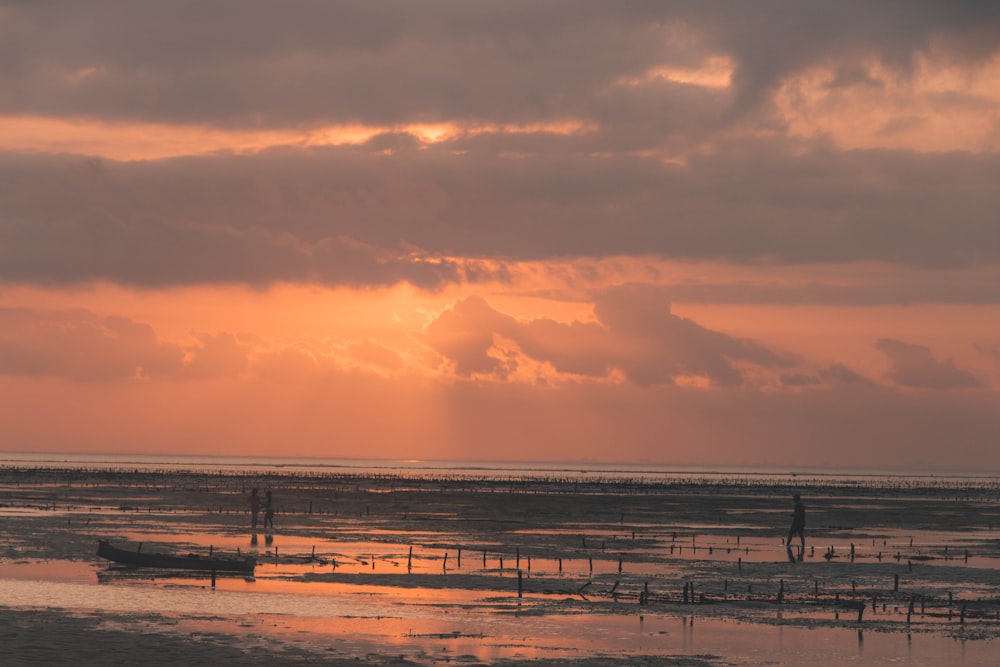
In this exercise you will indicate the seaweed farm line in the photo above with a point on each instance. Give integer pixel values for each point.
(559, 472)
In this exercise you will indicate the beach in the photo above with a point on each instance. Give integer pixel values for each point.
(420, 569)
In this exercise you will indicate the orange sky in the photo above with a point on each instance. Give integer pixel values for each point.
(651, 235)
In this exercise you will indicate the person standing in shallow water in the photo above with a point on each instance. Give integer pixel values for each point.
(798, 524)
(268, 511)
(254, 507)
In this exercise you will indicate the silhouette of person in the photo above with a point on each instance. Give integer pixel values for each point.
(254, 507)
(268, 511)
(798, 524)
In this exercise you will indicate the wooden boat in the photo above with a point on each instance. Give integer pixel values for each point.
(243, 565)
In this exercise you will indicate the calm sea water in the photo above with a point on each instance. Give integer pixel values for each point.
(500, 470)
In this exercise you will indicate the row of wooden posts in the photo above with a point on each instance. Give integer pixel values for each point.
(688, 593)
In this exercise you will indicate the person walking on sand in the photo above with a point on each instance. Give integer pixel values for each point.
(254, 507)
(798, 524)
(268, 511)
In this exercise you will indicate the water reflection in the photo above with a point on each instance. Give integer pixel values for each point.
(415, 621)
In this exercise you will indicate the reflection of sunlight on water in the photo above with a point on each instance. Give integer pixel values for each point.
(453, 622)
(59, 570)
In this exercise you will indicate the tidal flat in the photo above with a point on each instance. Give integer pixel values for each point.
(402, 569)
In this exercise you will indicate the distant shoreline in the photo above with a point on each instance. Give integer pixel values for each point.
(497, 480)
(196, 462)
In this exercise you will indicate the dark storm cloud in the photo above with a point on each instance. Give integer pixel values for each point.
(300, 63)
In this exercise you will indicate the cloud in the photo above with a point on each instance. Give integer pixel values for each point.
(251, 63)
(379, 356)
(338, 216)
(799, 380)
(82, 346)
(834, 375)
(840, 373)
(915, 366)
(635, 334)
(465, 334)
(216, 355)
(471, 131)
(992, 351)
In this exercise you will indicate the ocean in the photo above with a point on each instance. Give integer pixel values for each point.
(504, 470)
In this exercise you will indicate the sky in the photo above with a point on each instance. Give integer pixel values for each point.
(759, 234)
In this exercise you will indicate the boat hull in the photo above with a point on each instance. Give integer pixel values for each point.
(172, 562)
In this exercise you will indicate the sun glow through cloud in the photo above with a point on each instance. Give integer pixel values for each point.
(937, 107)
(156, 141)
(715, 72)
(556, 234)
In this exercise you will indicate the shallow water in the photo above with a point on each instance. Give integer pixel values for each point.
(432, 572)
(433, 622)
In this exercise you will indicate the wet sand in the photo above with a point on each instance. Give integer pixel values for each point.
(393, 570)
